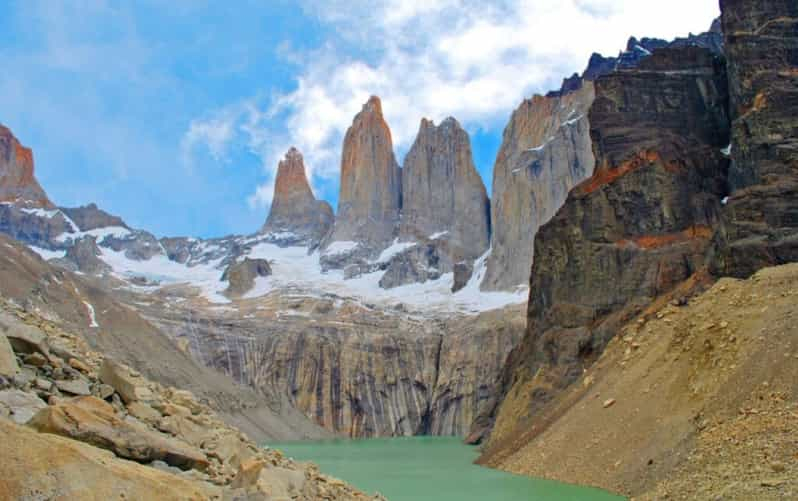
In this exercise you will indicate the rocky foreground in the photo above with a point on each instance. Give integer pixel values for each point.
(79, 425)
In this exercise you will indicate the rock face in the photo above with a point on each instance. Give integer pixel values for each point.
(85, 256)
(545, 151)
(92, 217)
(371, 184)
(442, 192)
(242, 275)
(358, 371)
(760, 223)
(640, 226)
(295, 209)
(18, 184)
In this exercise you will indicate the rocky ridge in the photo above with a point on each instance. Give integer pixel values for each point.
(17, 181)
(63, 388)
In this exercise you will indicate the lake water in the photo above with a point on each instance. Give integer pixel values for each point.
(428, 469)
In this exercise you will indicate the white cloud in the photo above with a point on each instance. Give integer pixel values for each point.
(214, 133)
(469, 59)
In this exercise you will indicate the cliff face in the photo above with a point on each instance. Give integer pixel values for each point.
(295, 209)
(760, 223)
(442, 192)
(354, 370)
(371, 183)
(636, 229)
(544, 153)
(17, 181)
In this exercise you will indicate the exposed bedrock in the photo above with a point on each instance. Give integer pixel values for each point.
(545, 151)
(634, 231)
(442, 192)
(18, 183)
(295, 210)
(354, 370)
(371, 185)
(760, 221)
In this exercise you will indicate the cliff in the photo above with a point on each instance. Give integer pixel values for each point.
(639, 227)
(18, 184)
(371, 185)
(442, 192)
(760, 220)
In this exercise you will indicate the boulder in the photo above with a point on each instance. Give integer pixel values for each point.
(144, 413)
(74, 387)
(274, 481)
(131, 387)
(8, 362)
(46, 466)
(91, 420)
(24, 338)
(21, 406)
(462, 274)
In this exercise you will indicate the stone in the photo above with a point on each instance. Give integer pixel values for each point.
(20, 405)
(608, 403)
(74, 387)
(79, 366)
(54, 467)
(274, 481)
(242, 276)
(296, 216)
(371, 185)
(8, 361)
(144, 412)
(93, 421)
(24, 339)
(442, 192)
(42, 384)
(129, 387)
(462, 274)
(18, 183)
(35, 359)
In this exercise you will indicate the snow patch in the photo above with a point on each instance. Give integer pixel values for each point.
(438, 235)
(47, 254)
(343, 247)
(396, 248)
(92, 315)
(727, 150)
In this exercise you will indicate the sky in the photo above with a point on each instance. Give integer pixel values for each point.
(173, 114)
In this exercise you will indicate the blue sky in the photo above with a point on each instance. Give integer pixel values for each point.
(173, 114)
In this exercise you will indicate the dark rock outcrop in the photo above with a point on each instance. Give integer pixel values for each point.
(91, 217)
(634, 231)
(760, 221)
(442, 192)
(371, 186)
(18, 185)
(241, 276)
(84, 255)
(296, 216)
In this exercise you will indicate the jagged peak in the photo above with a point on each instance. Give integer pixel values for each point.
(373, 105)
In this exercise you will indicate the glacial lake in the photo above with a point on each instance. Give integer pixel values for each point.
(428, 469)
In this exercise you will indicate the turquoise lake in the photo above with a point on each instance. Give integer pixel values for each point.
(428, 468)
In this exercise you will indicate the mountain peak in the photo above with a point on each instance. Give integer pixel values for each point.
(18, 183)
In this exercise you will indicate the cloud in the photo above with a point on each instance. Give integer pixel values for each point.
(214, 133)
(472, 60)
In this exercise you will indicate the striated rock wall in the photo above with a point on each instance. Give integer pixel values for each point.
(371, 184)
(760, 223)
(442, 192)
(640, 226)
(18, 183)
(294, 208)
(545, 151)
(355, 370)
